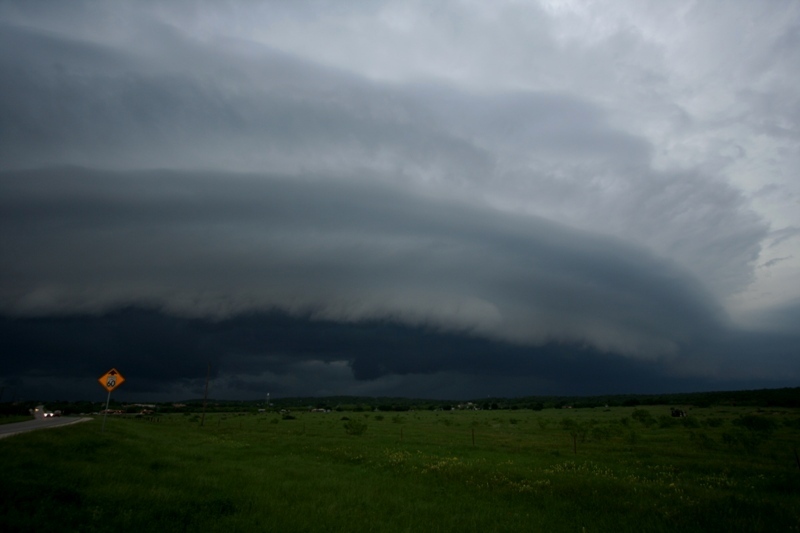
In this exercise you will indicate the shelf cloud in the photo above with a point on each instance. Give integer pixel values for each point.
(397, 199)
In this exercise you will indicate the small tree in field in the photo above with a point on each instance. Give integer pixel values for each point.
(576, 430)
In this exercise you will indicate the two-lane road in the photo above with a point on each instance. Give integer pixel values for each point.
(6, 430)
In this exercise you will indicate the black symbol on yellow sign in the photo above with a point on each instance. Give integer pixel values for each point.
(111, 380)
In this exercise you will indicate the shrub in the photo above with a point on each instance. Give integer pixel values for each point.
(794, 423)
(665, 421)
(758, 423)
(643, 416)
(702, 440)
(355, 427)
(690, 423)
(748, 441)
(714, 422)
(601, 433)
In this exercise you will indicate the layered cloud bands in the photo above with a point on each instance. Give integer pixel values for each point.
(217, 244)
(521, 175)
(180, 102)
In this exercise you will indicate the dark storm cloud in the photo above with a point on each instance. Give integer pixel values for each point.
(175, 101)
(482, 198)
(219, 244)
(164, 356)
(69, 101)
(783, 319)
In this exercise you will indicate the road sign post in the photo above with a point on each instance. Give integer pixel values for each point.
(105, 412)
(110, 381)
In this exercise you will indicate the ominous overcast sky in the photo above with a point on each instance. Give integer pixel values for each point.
(406, 198)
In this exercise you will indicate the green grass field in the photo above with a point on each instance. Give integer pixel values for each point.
(12, 419)
(619, 469)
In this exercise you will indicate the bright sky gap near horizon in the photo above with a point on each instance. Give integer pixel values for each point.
(399, 198)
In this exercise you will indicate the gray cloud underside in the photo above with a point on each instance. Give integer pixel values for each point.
(219, 244)
(165, 357)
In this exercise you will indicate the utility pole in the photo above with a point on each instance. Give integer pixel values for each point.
(205, 397)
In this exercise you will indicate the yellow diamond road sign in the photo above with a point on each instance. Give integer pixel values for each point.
(111, 380)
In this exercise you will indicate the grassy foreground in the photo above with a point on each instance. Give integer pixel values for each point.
(13, 419)
(619, 469)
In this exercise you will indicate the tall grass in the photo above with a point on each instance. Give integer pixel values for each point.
(416, 471)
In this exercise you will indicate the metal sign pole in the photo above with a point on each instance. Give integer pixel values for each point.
(105, 413)
(205, 396)
(110, 381)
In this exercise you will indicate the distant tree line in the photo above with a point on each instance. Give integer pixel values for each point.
(786, 397)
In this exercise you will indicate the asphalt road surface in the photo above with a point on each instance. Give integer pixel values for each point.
(6, 430)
